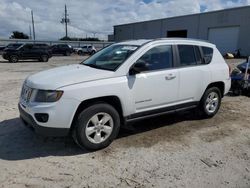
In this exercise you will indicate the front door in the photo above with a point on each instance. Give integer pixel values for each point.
(27, 51)
(156, 85)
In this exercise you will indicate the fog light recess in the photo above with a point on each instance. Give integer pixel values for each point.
(42, 117)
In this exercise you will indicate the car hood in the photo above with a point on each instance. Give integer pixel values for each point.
(10, 50)
(67, 75)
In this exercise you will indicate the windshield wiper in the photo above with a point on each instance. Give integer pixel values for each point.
(91, 65)
(97, 67)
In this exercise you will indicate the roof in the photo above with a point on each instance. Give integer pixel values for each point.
(141, 42)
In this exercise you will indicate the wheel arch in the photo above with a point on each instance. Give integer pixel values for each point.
(111, 100)
(220, 85)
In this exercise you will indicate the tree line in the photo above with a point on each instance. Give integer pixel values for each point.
(21, 35)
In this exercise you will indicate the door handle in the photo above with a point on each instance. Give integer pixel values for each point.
(170, 77)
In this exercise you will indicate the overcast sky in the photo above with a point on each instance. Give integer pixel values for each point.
(95, 16)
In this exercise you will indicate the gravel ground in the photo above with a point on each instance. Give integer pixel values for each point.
(169, 151)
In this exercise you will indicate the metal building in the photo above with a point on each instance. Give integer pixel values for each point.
(229, 29)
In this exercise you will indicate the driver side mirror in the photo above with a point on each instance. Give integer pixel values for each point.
(137, 68)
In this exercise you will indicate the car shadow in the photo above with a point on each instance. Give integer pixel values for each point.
(17, 142)
(22, 61)
(157, 122)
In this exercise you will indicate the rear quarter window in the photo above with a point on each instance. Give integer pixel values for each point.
(207, 54)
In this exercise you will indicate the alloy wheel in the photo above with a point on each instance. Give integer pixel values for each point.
(99, 127)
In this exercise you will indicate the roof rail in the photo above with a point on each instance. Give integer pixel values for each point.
(176, 38)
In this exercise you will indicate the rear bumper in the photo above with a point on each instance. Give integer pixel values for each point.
(44, 131)
(227, 86)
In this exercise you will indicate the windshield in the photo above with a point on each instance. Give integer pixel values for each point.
(110, 58)
(20, 47)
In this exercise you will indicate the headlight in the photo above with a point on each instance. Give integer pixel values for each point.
(47, 95)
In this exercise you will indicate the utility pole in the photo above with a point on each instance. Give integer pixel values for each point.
(65, 20)
(33, 26)
(30, 32)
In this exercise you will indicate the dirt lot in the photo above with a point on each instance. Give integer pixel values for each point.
(171, 151)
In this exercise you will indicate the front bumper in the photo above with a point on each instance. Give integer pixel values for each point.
(44, 131)
(5, 56)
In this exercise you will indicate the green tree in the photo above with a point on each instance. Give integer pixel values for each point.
(65, 38)
(18, 35)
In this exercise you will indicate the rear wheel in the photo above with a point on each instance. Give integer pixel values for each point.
(96, 126)
(67, 53)
(44, 58)
(13, 59)
(80, 52)
(210, 102)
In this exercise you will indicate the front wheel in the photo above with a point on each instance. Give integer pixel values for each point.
(96, 126)
(13, 59)
(210, 102)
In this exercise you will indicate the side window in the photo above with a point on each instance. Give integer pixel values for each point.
(187, 55)
(207, 54)
(36, 46)
(157, 58)
(28, 46)
(198, 55)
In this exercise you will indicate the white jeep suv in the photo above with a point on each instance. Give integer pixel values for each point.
(124, 82)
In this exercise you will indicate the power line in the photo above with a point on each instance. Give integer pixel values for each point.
(65, 20)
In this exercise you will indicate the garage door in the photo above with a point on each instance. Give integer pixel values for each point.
(225, 38)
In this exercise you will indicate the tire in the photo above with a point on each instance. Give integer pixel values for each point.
(210, 102)
(80, 52)
(13, 59)
(67, 53)
(44, 58)
(90, 132)
(237, 92)
(92, 52)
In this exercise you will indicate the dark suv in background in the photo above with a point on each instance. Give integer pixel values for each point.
(11, 45)
(61, 49)
(40, 52)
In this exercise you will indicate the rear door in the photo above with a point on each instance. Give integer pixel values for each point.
(37, 50)
(194, 73)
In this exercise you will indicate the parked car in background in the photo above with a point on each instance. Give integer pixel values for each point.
(62, 49)
(27, 51)
(11, 46)
(122, 83)
(88, 49)
(242, 67)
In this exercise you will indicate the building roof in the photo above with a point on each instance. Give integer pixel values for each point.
(196, 14)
